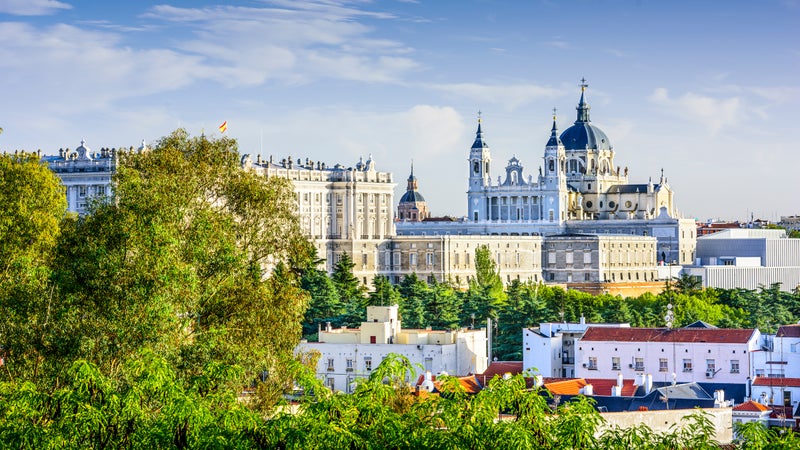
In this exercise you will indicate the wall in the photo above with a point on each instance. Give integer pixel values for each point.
(661, 421)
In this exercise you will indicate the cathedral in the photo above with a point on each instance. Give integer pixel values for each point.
(579, 189)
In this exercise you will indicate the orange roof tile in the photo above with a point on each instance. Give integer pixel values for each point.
(500, 368)
(774, 381)
(566, 387)
(751, 406)
(714, 335)
(603, 387)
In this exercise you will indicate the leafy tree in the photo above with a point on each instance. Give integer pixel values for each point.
(195, 258)
(383, 293)
(325, 305)
(32, 204)
(485, 295)
(688, 284)
(412, 307)
(441, 306)
(351, 291)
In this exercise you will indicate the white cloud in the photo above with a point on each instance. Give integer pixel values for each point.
(511, 96)
(294, 42)
(32, 7)
(714, 113)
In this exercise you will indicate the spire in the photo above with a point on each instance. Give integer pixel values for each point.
(412, 180)
(479, 142)
(583, 107)
(554, 139)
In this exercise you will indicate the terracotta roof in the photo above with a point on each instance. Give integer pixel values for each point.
(469, 383)
(500, 368)
(603, 386)
(789, 331)
(715, 335)
(600, 386)
(774, 381)
(566, 387)
(751, 406)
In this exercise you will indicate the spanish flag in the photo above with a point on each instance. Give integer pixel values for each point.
(224, 127)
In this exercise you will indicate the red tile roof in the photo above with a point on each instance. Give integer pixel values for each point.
(603, 386)
(469, 383)
(789, 331)
(751, 406)
(773, 381)
(566, 387)
(600, 386)
(500, 368)
(715, 335)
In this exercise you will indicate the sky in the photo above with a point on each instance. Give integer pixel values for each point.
(705, 90)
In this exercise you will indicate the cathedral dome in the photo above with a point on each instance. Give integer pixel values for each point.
(412, 197)
(582, 134)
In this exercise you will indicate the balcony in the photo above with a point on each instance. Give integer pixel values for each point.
(567, 360)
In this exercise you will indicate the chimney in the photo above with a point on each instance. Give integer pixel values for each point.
(538, 381)
(583, 320)
(648, 384)
(619, 380)
(588, 390)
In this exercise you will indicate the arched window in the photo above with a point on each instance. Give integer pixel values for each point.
(476, 167)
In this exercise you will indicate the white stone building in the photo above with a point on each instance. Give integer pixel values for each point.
(341, 209)
(683, 355)
(84, 173)
(347, 354)
(549, 350)
(578, 190)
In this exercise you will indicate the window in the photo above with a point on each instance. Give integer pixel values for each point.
(368, 363)
(592, 363)
(396, 258)
(412, 259)
(429, 259)
(663, 365)
(373, 340)
(349, 365)
(711, 368)
(615, 363)
(330, 383)
(734, 366)
(330, 364)
(81, 191)
(638, 364)
(364, 259)
(429, 364)
(687, 365)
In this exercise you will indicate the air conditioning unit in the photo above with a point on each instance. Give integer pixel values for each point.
(630, 366)
(710, 373)
(584, 364)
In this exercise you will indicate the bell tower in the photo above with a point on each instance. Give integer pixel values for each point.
(553, 180)
(479, 176)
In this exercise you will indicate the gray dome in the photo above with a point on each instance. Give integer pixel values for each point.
(412, 197)
(583, 135)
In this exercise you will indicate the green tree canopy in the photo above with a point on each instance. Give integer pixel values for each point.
(195, 258)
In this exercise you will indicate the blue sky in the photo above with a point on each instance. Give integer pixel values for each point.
(706, 90)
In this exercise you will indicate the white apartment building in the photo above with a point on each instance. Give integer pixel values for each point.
(780, 357)
(348, 354)
(682, 355)
(549, 350)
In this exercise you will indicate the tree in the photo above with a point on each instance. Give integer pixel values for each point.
(351, 291)
(32, 204)
(195, 258)
(412, 307)
(383, 293)
(325, 304)
(485, 295)
(441, 306)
